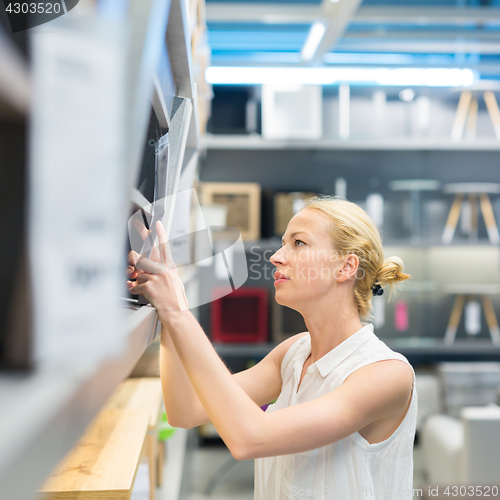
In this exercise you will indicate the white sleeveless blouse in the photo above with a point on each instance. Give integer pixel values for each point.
(349, 469)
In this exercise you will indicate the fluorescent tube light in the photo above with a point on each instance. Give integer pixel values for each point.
(399, 77)
(313, 40)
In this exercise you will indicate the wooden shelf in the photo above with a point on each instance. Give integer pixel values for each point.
(256, 142)
(45, 412)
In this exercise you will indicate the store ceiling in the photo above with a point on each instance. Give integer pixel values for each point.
(360, 33)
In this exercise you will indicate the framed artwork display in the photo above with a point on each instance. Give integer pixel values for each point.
(242, 200)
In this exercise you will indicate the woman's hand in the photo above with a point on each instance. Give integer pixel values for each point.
(159, 281)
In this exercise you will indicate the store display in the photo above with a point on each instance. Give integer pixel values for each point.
(292, 112)
(242, 201)
(468, 384)
(378, 304)
(467, 109)
(229, 110)
(472, 317)
(472, 311)
(344, 111)
(286, 205)
(415, 187)
(341, 188)
(375, 208)
(475, 191)
(401, 316)
(241, 316)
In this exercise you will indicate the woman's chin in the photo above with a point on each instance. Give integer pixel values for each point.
(281, 300)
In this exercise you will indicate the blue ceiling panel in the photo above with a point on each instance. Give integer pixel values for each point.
(290, 2)
(431, 3)
(224, 37)
(392, 33)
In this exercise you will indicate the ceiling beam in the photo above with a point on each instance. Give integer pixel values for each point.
(338, 17)
(262, 13)
(419, 46)
(407, 35)
(425, 16)
(305, 14)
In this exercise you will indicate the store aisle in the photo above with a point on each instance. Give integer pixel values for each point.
(231, 480)
(235, 479)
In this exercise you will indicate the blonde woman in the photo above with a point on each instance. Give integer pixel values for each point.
(343, 423)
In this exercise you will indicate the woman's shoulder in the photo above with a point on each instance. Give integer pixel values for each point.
(378, 350)
(285, 347)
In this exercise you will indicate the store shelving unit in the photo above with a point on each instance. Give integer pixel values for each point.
(45, 411)
(426, 350)
(257, 142)
(368, 165)
(423, 352)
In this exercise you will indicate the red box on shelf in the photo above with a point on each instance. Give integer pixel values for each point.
(241, 316)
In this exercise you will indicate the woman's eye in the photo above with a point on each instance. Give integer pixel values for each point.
(299, 241)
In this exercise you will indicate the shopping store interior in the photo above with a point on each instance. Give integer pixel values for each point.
(220, 119)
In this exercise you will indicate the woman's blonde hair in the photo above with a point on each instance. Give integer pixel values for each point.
(353, 232)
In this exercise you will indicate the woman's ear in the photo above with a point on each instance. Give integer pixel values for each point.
(349, 269)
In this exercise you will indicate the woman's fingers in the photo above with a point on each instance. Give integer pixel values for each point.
(159, 281)
(131, 285)
(148, 266)
(132, 272)
(166, 254)
(137, 287)
(133, 257)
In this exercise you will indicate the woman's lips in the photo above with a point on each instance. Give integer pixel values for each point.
(280, 280)
(280, 277)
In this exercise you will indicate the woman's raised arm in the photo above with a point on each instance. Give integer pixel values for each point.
(374, 392)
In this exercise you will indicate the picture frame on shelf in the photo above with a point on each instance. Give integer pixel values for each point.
(286, 205)
(242, 200)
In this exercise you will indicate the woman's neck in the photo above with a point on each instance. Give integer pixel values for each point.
(329, 325)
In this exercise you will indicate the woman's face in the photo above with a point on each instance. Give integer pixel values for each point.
(307, 265)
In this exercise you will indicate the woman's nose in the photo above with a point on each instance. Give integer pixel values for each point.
(278, 257)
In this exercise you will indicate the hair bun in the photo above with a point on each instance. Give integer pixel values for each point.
(391, 272)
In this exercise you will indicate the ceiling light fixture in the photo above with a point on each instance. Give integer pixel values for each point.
(313, 40)
(399, 77)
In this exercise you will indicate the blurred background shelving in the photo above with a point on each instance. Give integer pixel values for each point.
(382, 116)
